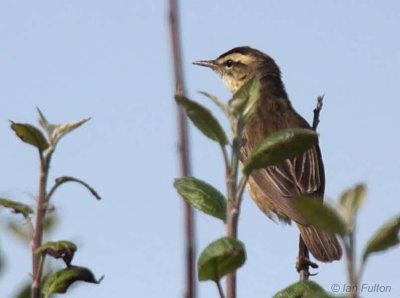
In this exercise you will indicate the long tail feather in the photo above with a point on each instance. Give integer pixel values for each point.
(323, 246)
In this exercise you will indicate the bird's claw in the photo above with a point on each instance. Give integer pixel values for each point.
(302, 265)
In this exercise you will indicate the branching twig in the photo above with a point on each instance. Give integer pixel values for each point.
(190, 290)
(64, 179)
(240, 189)
(317, 110)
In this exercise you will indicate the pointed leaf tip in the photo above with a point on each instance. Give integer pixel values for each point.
(387, 236)
(63, 129)
(202, 119)
(59, 281)
(202, 196)
(48, 127)
(352, 200)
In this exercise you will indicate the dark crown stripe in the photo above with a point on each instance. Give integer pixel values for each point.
(239, 50)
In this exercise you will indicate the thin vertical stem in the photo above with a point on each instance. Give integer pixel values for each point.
(41, 209)
(303, 268)
(350, 259)
(233, 208)
(226, 161)
(183, 144)
(317, 111)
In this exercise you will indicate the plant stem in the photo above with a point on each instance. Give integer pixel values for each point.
(231, 184)
(233, 208)
(220, 291)
(317, 110)
(183, 144)
(240, 190)
(350, 258)
(226, 161)
(361, 270)
(41, 209)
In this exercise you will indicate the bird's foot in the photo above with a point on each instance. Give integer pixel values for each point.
(302, 265)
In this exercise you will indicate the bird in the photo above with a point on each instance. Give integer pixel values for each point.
(275, 189)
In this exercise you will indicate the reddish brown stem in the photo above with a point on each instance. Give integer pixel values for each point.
(38, 229)
(189, 225)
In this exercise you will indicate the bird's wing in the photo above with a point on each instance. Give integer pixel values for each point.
(280, 185)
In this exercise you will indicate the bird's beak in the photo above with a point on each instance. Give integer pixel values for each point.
(210, 63)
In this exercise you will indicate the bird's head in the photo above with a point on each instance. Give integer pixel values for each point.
(240, 64)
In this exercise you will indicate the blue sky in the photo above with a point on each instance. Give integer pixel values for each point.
(110, 60)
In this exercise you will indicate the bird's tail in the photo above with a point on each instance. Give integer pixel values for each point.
(322, 245)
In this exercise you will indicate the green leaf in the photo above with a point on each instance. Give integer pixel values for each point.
(203, 119)
(59, 281)
(352, 200)
(57, 131)
(17, 207)
(202, 196)
(30, 135)
(244, 101)
(24, 291)
(63, 129)
(59, 249)
(20, 231)
(48, 127)
(321, 216)
(50, 222)
(219, 258)
(217, 101)
(386, 237)
(303, 289)
(279, 146)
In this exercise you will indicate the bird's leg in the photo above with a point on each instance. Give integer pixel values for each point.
(303, 261)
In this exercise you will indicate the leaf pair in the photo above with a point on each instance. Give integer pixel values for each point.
(59, 281)
(32, 135)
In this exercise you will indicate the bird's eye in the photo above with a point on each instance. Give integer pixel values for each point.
(229, 63)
